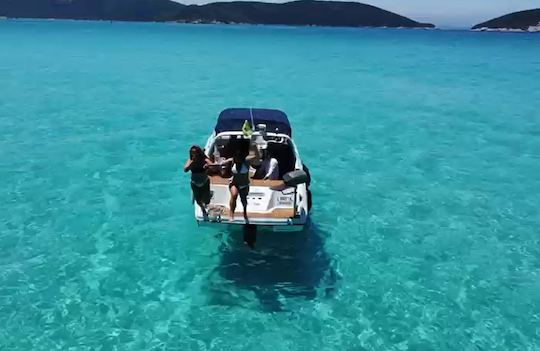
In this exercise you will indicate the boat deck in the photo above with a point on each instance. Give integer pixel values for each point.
(217, 180)
(278, 213)
(222, 206)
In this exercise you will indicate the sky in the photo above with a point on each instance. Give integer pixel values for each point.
(443, 13)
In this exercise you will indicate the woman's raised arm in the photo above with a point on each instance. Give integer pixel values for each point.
(187, 165)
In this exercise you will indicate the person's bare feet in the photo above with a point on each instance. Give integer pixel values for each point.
(204, 213)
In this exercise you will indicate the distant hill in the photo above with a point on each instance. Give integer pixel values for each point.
(517, 20)
(303, 12)
(120, 10)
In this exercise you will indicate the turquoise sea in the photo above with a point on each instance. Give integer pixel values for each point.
(424, 147)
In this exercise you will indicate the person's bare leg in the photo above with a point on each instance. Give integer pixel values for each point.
(205, 200)
(232, 202)
(203, 208)
(243, 198)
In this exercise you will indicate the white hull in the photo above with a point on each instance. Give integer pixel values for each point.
(270, 202)
(268, 205)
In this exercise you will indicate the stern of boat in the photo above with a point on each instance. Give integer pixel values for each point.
(270, 203)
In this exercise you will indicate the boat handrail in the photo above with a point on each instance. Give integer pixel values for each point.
(239, 133)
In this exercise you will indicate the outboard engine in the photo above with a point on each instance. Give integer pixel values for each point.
(295, 177)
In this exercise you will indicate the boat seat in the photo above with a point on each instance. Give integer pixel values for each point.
(284, 154)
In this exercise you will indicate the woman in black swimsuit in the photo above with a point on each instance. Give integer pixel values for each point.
(239, 184)
(245, 154)
(200, 183)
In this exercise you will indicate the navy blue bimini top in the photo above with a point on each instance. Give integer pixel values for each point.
(232, 119)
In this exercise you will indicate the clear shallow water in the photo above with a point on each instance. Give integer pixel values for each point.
(424, 148)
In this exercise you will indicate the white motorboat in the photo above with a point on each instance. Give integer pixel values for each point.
(283, 203)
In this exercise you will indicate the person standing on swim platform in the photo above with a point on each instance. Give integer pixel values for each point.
(244, 155)
(239, 183)
(198, 164)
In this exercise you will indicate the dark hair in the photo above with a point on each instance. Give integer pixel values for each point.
(195, 151)
(239, 154)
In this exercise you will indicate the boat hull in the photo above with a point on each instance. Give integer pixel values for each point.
(269, 203)
(278, 204)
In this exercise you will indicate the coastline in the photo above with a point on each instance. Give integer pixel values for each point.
(318, 13)
(535, 29)
(203, 22)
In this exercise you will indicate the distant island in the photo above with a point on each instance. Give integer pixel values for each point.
(302, 12)
(523, 21)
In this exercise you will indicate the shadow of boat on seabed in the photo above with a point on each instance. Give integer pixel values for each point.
(283, 266)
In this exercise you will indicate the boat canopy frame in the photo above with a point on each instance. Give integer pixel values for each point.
(210, 143)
